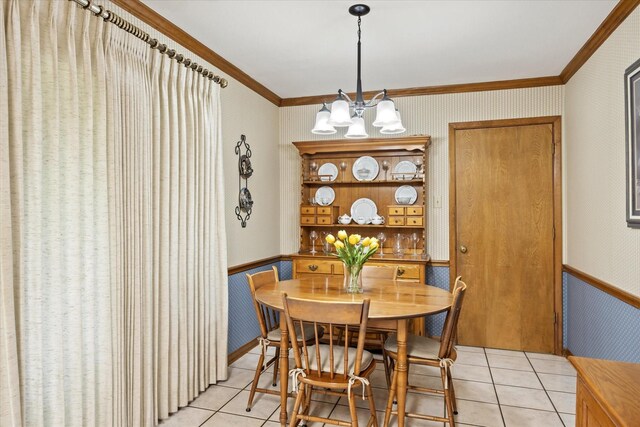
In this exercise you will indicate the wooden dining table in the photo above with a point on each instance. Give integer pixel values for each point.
(393, 302)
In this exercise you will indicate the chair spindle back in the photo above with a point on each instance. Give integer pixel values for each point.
(450, 329)
(297, 311)
(267, 317)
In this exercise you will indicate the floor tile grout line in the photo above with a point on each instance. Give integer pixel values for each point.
(494, 389)
(546, 393)
(212, 414)
(534, 370)
(531, 388)
(217, 410)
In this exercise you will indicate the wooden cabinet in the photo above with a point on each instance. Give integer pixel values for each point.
(607, 393)
(404, 220)
(322, 265)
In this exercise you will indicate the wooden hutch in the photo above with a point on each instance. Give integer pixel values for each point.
(404, 220)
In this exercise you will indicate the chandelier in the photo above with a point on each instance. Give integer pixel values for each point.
(343, 112)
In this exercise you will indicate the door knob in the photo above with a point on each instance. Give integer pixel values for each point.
(463, 249)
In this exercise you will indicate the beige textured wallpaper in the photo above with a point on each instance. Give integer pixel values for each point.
(428, 115)
(243, 111)
(598, 239)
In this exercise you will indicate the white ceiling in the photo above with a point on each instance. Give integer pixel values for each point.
(302, 48)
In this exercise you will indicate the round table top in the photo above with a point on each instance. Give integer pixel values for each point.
(389, 299)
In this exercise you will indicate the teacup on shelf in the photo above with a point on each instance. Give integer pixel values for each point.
(404, 200)
(362, 220)
(377, 220)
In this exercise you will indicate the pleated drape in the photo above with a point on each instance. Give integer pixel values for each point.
(113, 257)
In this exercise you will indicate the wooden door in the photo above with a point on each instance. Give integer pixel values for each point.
(502, 233)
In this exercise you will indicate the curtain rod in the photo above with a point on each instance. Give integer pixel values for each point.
(127, 26)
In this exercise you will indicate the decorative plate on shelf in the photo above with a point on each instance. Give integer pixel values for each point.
(325, 196)
(405, 170)
(365, 168)
(328, 169)
(406, 195)
(364, 208)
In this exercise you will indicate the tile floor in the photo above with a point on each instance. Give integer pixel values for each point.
(493, 388)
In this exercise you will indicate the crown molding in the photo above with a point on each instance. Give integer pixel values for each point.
(616, 17)
(177, 34)
(619, 13)
(434, 90)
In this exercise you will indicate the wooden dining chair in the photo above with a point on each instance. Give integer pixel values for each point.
(431, 352)
(269, 332)
(329, 368)
(389, 272)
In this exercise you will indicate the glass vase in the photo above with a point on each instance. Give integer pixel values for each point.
(353, 279)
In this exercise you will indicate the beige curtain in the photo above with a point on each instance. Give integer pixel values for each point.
(112, 259)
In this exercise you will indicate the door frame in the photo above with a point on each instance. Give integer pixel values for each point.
(555, 122)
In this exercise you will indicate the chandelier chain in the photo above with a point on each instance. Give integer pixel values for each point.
(347, 112)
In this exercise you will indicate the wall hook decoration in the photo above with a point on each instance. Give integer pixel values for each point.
(245, 203)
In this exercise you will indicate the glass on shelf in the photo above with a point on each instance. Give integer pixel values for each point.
(326, 246)
(313, 236)
(313, 168)
(415, 239)
(398, 245)
(343, 167)
(385, 168)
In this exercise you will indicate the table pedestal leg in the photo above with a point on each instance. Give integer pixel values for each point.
(401, 367)
(284, 369)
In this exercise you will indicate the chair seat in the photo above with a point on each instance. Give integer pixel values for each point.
(419, 347)
(338, 359)
(275, 335)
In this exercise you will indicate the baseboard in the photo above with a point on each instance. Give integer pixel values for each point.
(237, 354)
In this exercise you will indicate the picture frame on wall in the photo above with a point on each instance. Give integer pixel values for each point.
(632, 112)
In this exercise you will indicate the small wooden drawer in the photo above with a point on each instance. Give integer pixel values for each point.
(396, 220)
(307, 210)
(323, 220)
(312, 266)
(414, 220)
(323, 210)
(307, 219)
(395, 210)
(408, 272)
(415, 210)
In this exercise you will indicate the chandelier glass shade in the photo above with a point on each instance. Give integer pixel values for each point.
(343, 111)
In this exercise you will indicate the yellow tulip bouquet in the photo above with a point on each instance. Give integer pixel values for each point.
(353, 251)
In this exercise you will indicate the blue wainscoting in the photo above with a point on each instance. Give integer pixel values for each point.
(439, 277)
(599, 325)
(243, 325)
